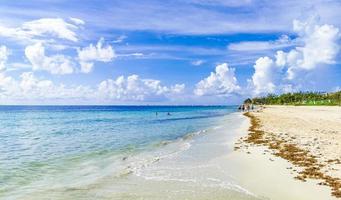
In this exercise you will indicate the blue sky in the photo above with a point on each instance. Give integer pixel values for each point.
(166, 52)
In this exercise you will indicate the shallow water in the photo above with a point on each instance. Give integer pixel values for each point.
(113, 152)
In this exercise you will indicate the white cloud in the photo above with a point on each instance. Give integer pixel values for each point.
(177, 88)
(318, 46)
(133, 88)
(321, 44)
(55, 26)
(41, 34)
(8, 86)
(283, 41)
(4, 53)
(280, 58)
(220, 82)
(29, 87)
(120, 39)
(18, 65)
(97, 53)
(190, 16)
(264, 78)
(204, 17)
(101, 53)
(34, 88)
(77, 21)
(56, 64)
(136, 55)
(44, 27)
(86, 67)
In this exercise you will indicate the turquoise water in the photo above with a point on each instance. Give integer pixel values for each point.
(43, 142)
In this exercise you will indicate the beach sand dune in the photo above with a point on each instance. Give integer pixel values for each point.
(307, 136)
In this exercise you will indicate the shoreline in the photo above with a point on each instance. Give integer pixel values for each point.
(192, 167)
(307, 164)
(198, 166)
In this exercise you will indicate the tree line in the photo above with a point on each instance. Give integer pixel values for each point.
(298, 98)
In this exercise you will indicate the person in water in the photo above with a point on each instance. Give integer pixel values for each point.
(168, 113)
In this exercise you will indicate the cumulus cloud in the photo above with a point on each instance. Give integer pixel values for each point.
(56, 64)
(133, 88)
(4, 53)
(34, 88)
(221, 82)
(44, 27)
(123, 89)
(280, 58)
(97, 53)
(28, 87)
(318, 45)
(177, 88)
(101, 53)
(8, 85)
(42, 34)
(264, 78)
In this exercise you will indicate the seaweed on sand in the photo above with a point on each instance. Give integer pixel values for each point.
(310, 167)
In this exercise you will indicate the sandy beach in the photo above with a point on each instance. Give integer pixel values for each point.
(309, 137)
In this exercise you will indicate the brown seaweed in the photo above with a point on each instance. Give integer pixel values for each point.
(310, 167)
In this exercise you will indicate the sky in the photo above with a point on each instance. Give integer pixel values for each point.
(162, 52)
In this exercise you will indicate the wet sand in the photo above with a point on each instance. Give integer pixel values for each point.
(308, 137)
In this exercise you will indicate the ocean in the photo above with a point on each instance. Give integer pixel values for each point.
(114, 152)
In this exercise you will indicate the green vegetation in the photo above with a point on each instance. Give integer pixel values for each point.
(300, 98)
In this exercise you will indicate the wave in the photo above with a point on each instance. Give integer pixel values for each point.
(136, 163)
(141, 160)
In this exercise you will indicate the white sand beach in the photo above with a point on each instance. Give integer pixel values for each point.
(314, 129)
